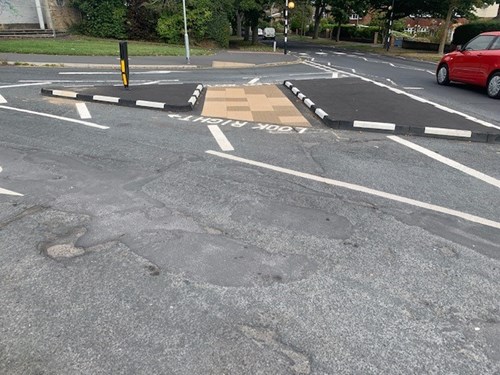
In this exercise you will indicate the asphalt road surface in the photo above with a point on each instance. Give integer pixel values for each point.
(137, 242)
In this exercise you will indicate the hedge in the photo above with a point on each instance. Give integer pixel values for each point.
(465, 33)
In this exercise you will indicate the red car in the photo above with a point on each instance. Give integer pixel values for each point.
(476, 63)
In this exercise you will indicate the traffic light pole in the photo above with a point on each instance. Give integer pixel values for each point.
(285, 48)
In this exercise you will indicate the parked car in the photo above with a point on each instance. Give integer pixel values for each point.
(269, 33)
(476, 63)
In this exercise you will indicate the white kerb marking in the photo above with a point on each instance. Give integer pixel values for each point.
(146, 103)
(255, 80)
(2, 100)
(9, 192)
(108, 99)
(449, 132)
(221, 139)
(374, 125)
(309, 102)
(192, 100)
(86, 123)
(65, 94)
(462, 168)
(83, 111)
(320, 113)
(362, 189)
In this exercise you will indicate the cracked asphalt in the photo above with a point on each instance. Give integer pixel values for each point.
(134, 251)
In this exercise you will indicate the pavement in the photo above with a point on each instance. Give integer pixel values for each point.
(222, 59)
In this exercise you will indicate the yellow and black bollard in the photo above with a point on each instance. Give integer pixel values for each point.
(124, 63)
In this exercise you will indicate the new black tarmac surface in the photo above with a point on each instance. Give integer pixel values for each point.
(352, 99)
(166, 97)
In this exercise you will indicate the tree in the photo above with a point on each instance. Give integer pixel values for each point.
(447, 9)
(319, 11)
(342, 9)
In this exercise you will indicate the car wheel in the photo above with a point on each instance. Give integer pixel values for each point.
(442, 75)
(494, 86)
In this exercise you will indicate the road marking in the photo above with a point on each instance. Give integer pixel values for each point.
(26, 84)
(2, 100)
(321, 53)
(86, 123)
(107, 73)
(391, 81)
(221, 139)
(362, 189)
(413, 88)
(255, 80)
(83, 111)
(471, 172)
(9, 192)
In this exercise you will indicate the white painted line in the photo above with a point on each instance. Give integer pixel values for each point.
(2, 100)
(221, 139)
(146, 103)
(335, 75)
(413, 88)
(448, 132)
(471, 172)
(320, 113)
(255, 80)
(374, 125)
(26, 84)
(85, 73)
(308, 102)
(362, 189)
(321, 53)
(391, 64)
(1, 169)
(391, 82)
(312, 59)
(9, 192)
(86, 123)
(108, 99)
(83, 111)
(66, 94)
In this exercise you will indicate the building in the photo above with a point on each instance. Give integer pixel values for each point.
(56, 15)
(488, 11)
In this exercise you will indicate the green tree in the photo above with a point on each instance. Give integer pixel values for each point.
(447, 9)
(105, 19)
(342, 9)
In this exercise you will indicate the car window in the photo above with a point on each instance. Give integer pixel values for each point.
(479, 43)
(496, 44)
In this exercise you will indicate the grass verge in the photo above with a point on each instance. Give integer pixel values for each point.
(85, 46)
(236, 43)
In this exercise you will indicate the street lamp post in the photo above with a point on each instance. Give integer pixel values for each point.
(389, 30)
(186, 36)
(288, 5)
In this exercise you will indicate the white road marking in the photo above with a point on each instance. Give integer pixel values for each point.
(255, 80)
(221, 139)
(2, 100)
(431, 72)
(391, 81)
(86, 73)
(321, 53)
(25, 84)
(9, 192)
(362, 189)
(471, 172)
(83, 111)
(413, 88)
(391, 64)
(86, 123)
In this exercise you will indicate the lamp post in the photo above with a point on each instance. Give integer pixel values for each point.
(389, 30)
(288, 5)
(186, 36)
